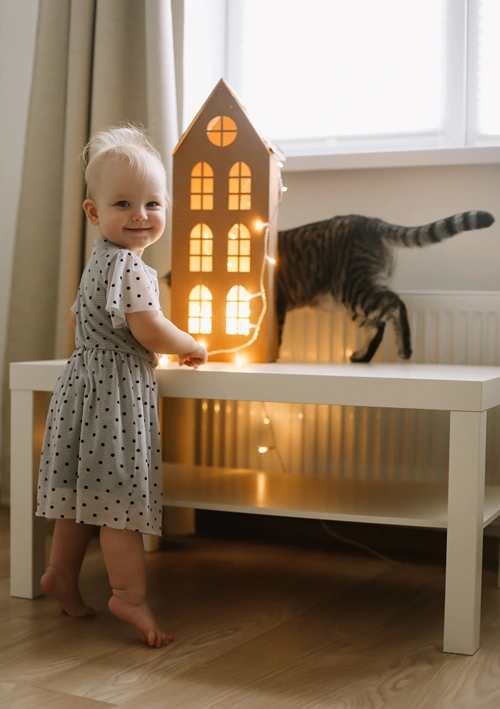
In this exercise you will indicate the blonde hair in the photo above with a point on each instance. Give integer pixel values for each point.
(128, 142)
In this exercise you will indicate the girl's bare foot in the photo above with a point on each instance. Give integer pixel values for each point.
(141, 617)
(54, 583)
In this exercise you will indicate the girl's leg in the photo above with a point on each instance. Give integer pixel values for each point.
(125, 560)
(69, 544)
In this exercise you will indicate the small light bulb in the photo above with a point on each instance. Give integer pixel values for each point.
(300, 416)
(240, 361)
(271, 259)
(263, 449)
(284, 189)
(164, 360)
(266, 421)
(280, 164)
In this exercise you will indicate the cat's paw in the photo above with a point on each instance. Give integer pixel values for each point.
(406, 355)
(360, 357)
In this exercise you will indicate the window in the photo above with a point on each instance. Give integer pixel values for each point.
(221, 131)
(202, 186)
(238, 249)
(344, 76)
(200, 311)
(240, 187)
(238, 311)
(484, 107)
(201, 248)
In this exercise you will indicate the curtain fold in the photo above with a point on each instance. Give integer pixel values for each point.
(97, 63)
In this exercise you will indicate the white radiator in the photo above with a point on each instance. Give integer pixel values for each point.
(447, 327)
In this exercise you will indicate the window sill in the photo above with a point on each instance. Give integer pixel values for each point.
(394, 158)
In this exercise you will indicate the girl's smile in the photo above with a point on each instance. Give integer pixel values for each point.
(128, 206)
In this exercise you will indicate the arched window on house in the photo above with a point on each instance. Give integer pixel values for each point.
(200, 311)
(238, 311)
(202, 186)
(201, 248)
(240, 187)
(238, 249)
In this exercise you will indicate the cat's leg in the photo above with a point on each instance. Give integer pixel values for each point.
(373, 335)
(381, 307)
(402, 328)
(280, 315)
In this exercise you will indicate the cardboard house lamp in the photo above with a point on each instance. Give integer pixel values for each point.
(226, 190)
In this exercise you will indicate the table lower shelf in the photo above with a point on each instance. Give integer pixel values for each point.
(399, 503)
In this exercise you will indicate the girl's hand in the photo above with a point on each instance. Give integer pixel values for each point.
(195, 358)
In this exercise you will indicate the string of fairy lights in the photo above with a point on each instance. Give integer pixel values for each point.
(272, 445)
(267, 259)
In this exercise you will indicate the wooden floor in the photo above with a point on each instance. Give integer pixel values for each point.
(257, 627)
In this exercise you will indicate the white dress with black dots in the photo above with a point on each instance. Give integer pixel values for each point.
(101, 455)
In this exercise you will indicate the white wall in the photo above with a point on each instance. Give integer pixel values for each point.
(17, 43)
(411, 196)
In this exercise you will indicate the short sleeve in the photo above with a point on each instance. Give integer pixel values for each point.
(131, 288)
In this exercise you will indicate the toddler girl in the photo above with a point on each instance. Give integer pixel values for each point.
(101, 457)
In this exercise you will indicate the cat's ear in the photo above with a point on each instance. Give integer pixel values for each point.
(90, 209)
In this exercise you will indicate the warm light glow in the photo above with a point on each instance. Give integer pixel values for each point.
(240, 361)
(263, 449)
(270, 259)
(261, 487)
(221, 130)
(238, 249)
(164, 360)
(216, 408)
(259, 224)
(202, 186)
(237, 311)
(266, 421)
(348, 353)
(300, 416)
(240, 187)
(284, 189)
(200, 311)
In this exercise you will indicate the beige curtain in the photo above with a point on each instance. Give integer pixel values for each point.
(97, 63)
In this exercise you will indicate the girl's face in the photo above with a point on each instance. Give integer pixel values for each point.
(129, 207)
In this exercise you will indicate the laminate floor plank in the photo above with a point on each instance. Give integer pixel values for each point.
(256, 625)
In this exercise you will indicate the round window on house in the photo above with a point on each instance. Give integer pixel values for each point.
(221, 131)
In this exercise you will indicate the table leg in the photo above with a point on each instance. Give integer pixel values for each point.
(27, 532)
(464, 553)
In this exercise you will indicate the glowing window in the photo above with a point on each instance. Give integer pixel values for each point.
(221, 130)
(238, 311)
(201, 248)
(200, 311)
(238, 249)
(240, 187)
(202, 186)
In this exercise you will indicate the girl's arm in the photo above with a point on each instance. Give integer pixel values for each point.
(72, 317)
(157, 334)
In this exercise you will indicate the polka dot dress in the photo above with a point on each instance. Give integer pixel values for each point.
(101, 455)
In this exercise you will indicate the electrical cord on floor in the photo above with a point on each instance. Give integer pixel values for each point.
(324, 524)
(345, 540)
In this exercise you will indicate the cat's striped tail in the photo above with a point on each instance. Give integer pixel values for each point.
(435, 231)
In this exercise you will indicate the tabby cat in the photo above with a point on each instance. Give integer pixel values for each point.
(350, 258)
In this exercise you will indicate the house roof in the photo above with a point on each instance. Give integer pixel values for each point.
(270, 146)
